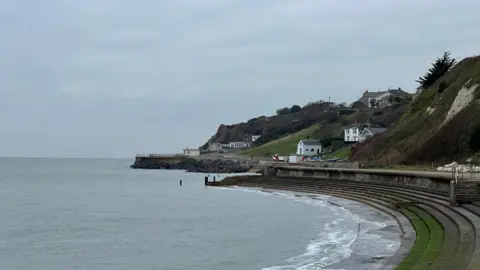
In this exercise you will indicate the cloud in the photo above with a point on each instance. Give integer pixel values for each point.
(173, 70)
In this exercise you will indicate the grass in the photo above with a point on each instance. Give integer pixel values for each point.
(399, 167)
(428, 241)
(284, 146)
(341, 153)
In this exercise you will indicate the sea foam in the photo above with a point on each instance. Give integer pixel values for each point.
(334, 242)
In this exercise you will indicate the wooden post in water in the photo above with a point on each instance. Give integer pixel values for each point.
(206, 180)
(453, 197)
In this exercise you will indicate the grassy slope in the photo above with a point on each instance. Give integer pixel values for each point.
(341, 153)
(284, 146)
(417, 137)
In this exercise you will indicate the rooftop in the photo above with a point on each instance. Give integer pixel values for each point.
(376, 130)
(311, 142)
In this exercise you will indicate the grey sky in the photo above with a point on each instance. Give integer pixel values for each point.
(112, 78)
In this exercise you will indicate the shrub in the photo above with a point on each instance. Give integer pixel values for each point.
(441, 66)
(295, 108)
(442, 86)
(358, 105)
(475, 140)
(283, 111)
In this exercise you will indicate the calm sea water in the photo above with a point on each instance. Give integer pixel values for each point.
(99, 214)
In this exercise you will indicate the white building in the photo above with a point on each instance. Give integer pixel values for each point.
(309, 148)
(370, 132)
(352, 133)
(239, 144)
(190, 152)
(214, 147)
(255, 137)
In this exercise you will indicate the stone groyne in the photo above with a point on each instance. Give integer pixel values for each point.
(445, 235)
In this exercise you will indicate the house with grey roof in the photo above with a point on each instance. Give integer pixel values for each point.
(309, 148)
(382, 99)
(369, 132)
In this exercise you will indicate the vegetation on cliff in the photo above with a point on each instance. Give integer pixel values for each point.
(318, 120)
(439, 68)
(441, 125)
(285, 145)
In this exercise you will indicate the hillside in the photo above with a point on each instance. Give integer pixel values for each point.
(321, 120)
(441, 125)
(285, 145)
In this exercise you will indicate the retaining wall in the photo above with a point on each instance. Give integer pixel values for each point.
(434, 182)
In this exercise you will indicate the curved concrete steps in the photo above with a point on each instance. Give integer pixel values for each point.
(453, 251)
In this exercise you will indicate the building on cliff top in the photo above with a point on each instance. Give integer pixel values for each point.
(382, 99)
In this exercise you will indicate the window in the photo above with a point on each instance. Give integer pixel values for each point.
(313, 150)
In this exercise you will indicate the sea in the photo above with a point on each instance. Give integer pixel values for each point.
(100, 214)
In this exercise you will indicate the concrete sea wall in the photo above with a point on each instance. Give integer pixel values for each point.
(434, 182)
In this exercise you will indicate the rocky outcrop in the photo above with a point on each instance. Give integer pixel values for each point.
(194, 165)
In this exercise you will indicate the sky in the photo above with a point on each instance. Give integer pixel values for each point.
(115, 78)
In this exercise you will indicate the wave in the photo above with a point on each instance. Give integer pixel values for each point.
(334, 243)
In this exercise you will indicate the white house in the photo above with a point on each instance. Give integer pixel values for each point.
(370, 132)
(190, 152)
(309, 148)
(239, 144)
(352, 133)
(255, 137)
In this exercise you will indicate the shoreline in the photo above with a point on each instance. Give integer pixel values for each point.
(443, 235)
(367, 211)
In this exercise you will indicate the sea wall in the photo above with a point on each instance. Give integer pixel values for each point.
(434, 182)
(419, 180)
(318, 164)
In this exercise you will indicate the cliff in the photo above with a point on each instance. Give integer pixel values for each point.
(441, 125)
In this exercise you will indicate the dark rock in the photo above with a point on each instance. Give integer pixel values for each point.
(193, 165)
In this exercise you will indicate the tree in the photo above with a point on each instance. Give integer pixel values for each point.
(373, 103)
(295, 108)
(441, 66)
(285, 110)
(358, 105)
